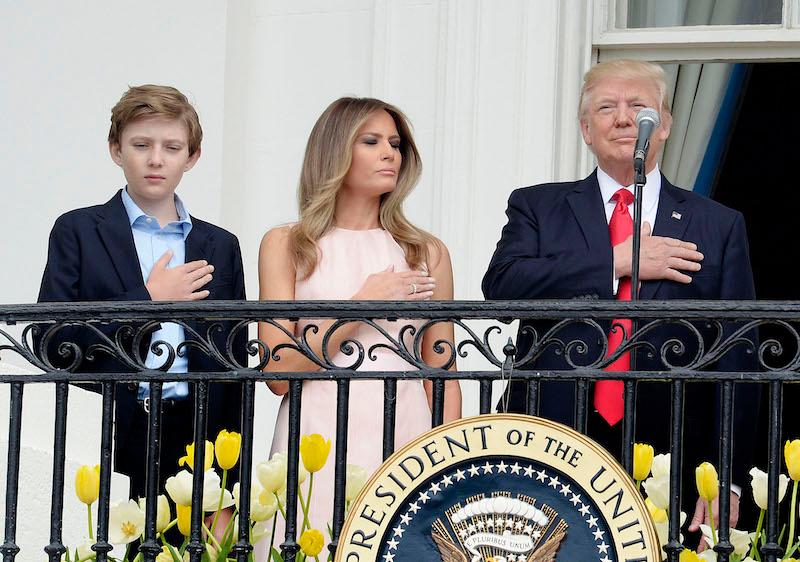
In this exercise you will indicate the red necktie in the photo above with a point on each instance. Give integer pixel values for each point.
(608, 399)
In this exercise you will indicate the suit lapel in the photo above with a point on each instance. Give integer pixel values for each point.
(672, 219)
(587, 206)
(115, 231)
(199, 246)
(199, 243)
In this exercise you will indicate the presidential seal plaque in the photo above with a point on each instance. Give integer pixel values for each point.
(499, 488)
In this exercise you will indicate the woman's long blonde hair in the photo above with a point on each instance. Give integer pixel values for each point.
(329, 153)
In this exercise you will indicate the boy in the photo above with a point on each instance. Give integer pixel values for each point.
(144, 245)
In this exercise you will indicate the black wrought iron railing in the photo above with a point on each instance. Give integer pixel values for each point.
(687, 341)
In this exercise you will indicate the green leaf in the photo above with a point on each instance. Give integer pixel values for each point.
(276, 555)
(176, 557)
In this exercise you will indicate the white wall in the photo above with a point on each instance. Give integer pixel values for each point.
(36, 464)
(490, 86)
(64, 65)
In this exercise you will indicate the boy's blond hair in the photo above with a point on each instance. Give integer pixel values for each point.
(150, 100)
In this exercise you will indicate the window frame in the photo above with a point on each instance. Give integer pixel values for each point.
(702, 43)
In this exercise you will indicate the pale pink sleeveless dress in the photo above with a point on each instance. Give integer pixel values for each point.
(348, 257)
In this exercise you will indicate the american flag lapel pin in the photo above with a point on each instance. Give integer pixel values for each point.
(676, 215)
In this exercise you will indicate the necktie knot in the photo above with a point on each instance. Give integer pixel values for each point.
(623, 197)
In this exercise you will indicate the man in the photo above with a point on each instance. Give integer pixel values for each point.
(557, 244)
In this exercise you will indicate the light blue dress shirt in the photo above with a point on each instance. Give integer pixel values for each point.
(151, 242)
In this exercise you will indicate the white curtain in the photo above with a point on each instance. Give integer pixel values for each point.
(696, 90)
(697, 93)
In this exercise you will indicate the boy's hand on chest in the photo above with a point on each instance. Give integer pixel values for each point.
(182, 283)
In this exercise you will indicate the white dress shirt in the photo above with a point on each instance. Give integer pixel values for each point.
(650, 194)
(151, 241)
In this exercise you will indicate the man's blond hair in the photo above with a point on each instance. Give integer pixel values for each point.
(626, 70)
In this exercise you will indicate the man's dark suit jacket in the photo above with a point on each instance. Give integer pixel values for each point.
(556, 245)
(92, 257)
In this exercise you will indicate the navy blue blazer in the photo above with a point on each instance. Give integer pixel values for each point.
(92, 257)
(556, 245)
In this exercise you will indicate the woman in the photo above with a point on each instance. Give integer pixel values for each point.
(353, 242)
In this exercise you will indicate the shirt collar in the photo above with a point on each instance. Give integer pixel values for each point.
(135, 212)
(650, 192)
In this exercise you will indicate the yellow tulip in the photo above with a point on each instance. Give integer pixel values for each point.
(642, 460)
(314, 451)
(659, 515)
(707, 481)
(184, 515)
(165, 555)
(791, 454)
(227, 448)
(87, 483)
(689, 556)
(311, 542)
(188, 458)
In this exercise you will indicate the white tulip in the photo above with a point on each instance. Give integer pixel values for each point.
(356, 478)
(179, 487)
(263, 504)
(85, 551)
(125, 522)
(658, 491)
(302, 473)
(759, 484)
(163, 515)
(261, 530)
(281, 496)
(271, 475)
(660, 468)
(212, 489)
(739, 539)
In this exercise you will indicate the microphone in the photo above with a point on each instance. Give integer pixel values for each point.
(647, 120)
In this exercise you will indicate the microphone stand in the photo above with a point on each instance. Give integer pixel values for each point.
(638, 183)
(629, 414)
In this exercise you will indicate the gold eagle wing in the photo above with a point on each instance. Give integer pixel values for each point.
(449, 551)
(547, 552)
